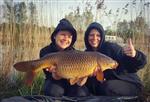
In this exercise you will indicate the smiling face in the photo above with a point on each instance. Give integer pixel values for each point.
(94, 38)
(63, 39)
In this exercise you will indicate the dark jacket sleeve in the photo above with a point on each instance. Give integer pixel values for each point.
(135, 63)
(130, 64)
(42, 53)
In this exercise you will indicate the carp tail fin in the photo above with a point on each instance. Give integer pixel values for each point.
(33, 65)
(26, 66)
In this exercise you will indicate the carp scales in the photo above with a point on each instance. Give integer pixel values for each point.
(75, 66)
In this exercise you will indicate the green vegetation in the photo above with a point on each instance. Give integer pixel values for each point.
(17, 87)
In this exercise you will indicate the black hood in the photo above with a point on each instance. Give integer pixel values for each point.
(64, 25)
(100, 29)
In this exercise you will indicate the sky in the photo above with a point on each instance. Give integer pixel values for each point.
(54, 10)
(58, 9)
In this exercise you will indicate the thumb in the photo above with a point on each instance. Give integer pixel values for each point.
(130, 42)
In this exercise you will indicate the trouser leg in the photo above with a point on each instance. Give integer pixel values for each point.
(95, 87)
(77, 91)
(121, 88)
(52, 88)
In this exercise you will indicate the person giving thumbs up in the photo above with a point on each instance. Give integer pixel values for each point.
(129, 49)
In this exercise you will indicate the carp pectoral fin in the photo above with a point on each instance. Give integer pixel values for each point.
(82, 81)
(99, 75)
(55, 76)
(29, 78)
(73, 81)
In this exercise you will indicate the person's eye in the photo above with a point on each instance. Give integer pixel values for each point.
(63, 34)
(69, 36)
(98, 35)
(91, 35)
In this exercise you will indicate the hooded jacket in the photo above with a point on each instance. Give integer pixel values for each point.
(64, 25)
(128, 66)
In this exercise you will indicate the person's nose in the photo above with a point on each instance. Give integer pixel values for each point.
(65, 38)
(94, 37)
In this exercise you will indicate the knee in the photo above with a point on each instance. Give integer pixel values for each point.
(82, 91)
(110, 90)
(78, 91)
(117, 88)
(51, 89)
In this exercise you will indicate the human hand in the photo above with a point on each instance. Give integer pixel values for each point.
(52, 69)
(96, 70)
(129, 49)
(56, 76)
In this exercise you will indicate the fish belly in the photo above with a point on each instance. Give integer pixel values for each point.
(75, 71)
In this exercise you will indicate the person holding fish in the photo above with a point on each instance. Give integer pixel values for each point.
(62, 39)
(106, 68)
(66, 69)
(123, 80)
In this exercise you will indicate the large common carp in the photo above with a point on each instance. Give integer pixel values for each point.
(75, 66)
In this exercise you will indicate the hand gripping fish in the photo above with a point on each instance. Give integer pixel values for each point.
(75, 66)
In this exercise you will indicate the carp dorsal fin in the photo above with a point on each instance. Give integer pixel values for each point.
(99, 75)
(82, 81)
(73, 81)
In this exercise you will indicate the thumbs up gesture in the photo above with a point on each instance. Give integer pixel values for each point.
(129, 49)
